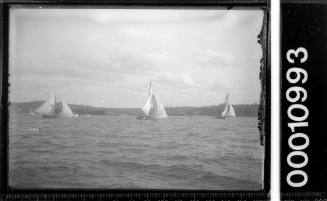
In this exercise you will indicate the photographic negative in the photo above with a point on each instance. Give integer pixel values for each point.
(136, 98)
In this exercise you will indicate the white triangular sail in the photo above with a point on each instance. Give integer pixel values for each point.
(223, 114)
(65, 111)
(159, 111)
(231, 112)
(228, 110)
(150, 89)
(48, 107)
(31, 112)
(153, 108)
(147, 106)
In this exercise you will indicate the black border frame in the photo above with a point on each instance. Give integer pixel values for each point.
(314, 189)
(129, 194)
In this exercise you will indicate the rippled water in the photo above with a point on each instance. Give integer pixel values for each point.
(198, 152)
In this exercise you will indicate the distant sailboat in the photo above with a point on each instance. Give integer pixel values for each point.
(31, 113)
(228, 111)
(153, 108)
(52, 108)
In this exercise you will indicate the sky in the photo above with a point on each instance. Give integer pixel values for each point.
(107, 57)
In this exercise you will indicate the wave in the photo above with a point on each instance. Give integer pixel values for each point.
(104, 152)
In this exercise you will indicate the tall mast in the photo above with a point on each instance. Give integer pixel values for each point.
(150, 88)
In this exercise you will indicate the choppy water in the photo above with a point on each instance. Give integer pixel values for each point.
(198, 152)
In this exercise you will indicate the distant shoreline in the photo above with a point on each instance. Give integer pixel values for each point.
(241, 110)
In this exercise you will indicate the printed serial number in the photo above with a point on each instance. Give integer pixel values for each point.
(297, 114)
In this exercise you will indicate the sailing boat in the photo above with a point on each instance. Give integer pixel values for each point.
(53, 108)
(31, 113)
(228, 111)
(153, 108)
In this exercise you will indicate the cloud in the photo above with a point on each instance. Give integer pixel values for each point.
(234, 17)
(112, 54)
(175, 80)
(129, 64)
(130, 16)
(187, 80)
(213, 58)
(140, 16)
(219, 87)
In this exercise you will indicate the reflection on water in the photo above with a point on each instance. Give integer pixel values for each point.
(198, 152)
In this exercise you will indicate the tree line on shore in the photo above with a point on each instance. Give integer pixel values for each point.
(241, 110)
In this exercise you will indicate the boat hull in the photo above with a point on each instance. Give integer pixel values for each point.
(49, 117)
(143, 118)
(219, 117)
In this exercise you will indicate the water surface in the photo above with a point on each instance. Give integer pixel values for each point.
(181, 152)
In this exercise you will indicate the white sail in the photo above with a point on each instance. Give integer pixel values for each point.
(223, 114)
(65, 111)
(153, 108)
(147, 107)
(48, 107)
(231, 112)
(150, 89)
(228, 110)
(31, 112)
(159, 111)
